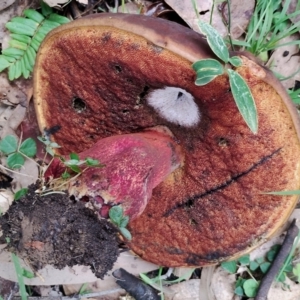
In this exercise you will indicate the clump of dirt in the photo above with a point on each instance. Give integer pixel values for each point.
(55, 230)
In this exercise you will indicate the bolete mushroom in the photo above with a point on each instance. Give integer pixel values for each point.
(109, 80)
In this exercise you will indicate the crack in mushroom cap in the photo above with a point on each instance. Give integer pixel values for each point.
(213, 206)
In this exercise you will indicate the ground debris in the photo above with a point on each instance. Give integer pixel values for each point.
(55, 230)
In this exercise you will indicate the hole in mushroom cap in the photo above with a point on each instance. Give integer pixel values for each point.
(78, 104)
(175, 105)
(118, 69)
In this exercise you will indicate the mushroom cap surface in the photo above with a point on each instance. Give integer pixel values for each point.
(92, 80)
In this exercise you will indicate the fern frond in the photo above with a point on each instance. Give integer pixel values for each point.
(27, 34)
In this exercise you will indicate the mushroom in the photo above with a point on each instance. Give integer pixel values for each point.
(112, 79)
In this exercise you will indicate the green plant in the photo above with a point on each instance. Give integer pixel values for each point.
(27, 33)
(116, 215)
(159, 281)
(17, 152)
(83, 289)
(21, 273)
(269, 24)
(20, 193)
(208, 69)
(246, 285)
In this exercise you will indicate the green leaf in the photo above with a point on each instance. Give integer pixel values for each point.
(124, 221)
(20, 193)
(35, 44)
(65, 175)
(264, 267)
(253, 265)
(25, 22)
(50, 24)
(281, 278)
(235, 61)
(116, 214)
(15, 160)
(126, 233)
(9, 58)
(11, 72)
(8, 144)
(31, 54)
(250, 287)
(39, 36)
(3, 63)
(92, 162)
(20, 28)
(215, 41)
(244, 260)
(74, 158)
(243, 99)
(296, 271)
(203, 80)
(229, 266)
(17, 44)
(271, 254)
(260, 260)
(19, 272)
(33, 15)
(239, 291)
(28, 147)
(21, 38)
(18, 69)
(74, 168)
(46, 9)
(59, 19)
(209, 67)
(28, 274)
(13, 52)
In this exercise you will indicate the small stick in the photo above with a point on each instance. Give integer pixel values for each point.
(286, 247)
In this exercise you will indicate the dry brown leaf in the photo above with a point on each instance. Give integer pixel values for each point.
(294, 5)
(6, 199)
(285, 61)
(187, 290)
(222, 284)
(241, 12)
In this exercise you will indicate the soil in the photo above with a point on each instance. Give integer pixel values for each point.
(56, 230)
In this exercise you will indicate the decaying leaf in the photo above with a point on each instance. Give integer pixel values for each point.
(241, 12)
(285, 61)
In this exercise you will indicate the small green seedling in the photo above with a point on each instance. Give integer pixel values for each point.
(83, 290)
(116, 215)
(20, 193)
(49, 146)
(74, 163)
(21, 273)
(159, 281)
(16, 153)
(208, 69)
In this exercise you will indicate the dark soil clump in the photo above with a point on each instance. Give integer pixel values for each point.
(55, 230)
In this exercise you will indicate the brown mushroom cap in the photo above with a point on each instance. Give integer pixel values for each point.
(92, 80)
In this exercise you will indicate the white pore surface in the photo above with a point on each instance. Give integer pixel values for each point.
(175, 105)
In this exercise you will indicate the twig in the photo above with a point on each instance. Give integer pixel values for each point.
(286, 247)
